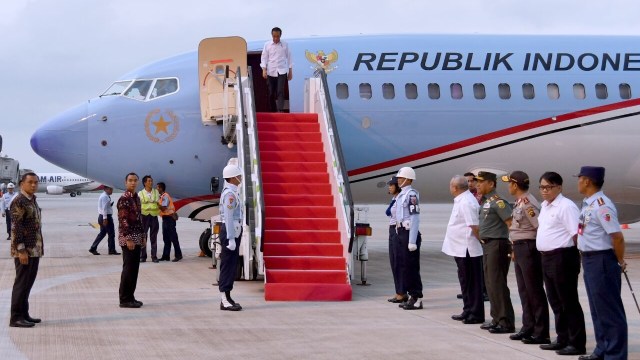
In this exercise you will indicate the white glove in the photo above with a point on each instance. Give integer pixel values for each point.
(413, 247)
(232, 245)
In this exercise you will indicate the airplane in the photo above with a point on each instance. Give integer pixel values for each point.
(59, 183)
(442, 104)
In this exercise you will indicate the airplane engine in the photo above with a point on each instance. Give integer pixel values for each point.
(54, 190)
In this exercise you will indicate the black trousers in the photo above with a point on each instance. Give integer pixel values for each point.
(409, 262)
(496, 268)
(470, 277)
(170, 236)
(228, 261)
(25, 277)
(560, 269)
(105, 230)
(150, 223)
(535, 309)
(395, 266)
(7, 214)
(129, 276)
(275, 86)
(602, 278)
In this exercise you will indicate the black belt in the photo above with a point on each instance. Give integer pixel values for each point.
(487, 240)
(522, 241)
(594, 253)
(556, 251)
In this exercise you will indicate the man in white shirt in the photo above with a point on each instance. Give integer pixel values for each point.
(277, 68)
(461, 242)
(5, 205)
(556, 241)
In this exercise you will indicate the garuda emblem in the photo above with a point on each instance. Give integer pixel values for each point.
(323, 61)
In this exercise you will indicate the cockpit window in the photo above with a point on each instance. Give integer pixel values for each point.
(139, 89)
(117, 88)
(164, 87)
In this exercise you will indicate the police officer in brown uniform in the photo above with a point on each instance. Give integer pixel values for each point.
(495, 219)
(527, 262)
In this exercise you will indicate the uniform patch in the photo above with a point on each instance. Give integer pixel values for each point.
(600, 201)
(414, 205)
(607, 217)
(501, 204)
(531, 212)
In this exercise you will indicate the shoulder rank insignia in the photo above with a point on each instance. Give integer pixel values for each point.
(501, 204)
(525, 200)
(600, 201)
(531, 212)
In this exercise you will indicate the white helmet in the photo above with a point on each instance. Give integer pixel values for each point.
(231, 171)
(407, 173)
(10, 186)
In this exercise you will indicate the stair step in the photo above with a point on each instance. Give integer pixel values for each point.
(305, 263)
(306, 276)
(290, 146)
(301, 237)
(284, 117)
(288, 136)
(303, 127)
(297, 188)
(300, 211)
(306, 224)
(283, 177)
(292, 156)
(293, 167)
(302, 249)
(307, 292)
(297, 200)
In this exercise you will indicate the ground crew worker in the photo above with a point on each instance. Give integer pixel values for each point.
(401, 293)
(409, 238)
(7, 198)
(495, 219)
(149, 198)
(527, 262)
(601, 243)
(230, 235)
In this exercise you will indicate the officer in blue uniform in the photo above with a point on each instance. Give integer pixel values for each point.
(601, 243)
(409, 238)
(401, 293)
(230, 236)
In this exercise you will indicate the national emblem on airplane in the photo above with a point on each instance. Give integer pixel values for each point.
(323, 61)
(161, 126)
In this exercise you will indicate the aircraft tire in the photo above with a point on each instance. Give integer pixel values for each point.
(78, 193)
(72, 194)
(204, 242)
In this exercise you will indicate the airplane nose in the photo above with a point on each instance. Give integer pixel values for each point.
(63, 140)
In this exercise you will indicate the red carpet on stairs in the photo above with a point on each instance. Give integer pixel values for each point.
(303, 254)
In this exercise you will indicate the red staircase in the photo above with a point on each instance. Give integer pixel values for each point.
(303, 254)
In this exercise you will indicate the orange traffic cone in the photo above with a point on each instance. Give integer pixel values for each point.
(624, 226)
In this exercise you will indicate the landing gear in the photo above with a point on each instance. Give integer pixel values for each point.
(72, 194)
(204, 242)
(78, 193)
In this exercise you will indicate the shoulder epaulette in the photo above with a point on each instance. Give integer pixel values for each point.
(600, 201)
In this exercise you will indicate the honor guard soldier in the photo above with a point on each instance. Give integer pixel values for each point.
(495, 219)
(230, 235)
(601, 243)
(409, 238)
(527, 262)
(401, 293)
(7, 198)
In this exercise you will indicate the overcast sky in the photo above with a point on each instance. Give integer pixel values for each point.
(56, 54)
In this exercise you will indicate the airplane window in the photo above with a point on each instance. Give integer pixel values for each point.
(116, 88)
(578, 91)
(164, 87)
(411, 91)
(625, 91)
(365, 91)
(553, 91)
(601, 91)
(388, 91)
(434, 91)
(479, 91)
(139, 89)
(456, 91)
(342, 91)
(504, 90)
(528, 92)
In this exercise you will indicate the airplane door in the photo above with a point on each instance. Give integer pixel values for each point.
(215, 56)
(260, 88)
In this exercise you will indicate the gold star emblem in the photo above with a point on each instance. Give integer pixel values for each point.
(161, 125)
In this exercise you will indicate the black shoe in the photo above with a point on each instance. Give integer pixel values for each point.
(22, 324)
(177, 259)
(459, 317)
(485, 297)
(414, 303)
(164, 259)
(570, 350)
(130, 304)
(114, 253)
(519, 335)
(94, 252)
(502, 330)
(33, 320)
(138, 302)
(471, 320)
(459, 296)
(155, 260)
(143, 260)
(488, 325)
(530, 340)
(553, 346)
(590, 357)
(9, 238)
(234, 307)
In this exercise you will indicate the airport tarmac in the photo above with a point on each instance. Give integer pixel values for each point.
(76, 295)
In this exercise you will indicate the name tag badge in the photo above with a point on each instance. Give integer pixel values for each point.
(486, 206)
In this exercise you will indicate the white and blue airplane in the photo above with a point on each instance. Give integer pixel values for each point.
(59, 183)
(442, 104)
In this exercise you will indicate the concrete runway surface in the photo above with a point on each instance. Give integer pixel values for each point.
(76, 295)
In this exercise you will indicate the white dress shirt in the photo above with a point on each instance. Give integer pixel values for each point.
(276, 58)
(459, 237)
(557, 224)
